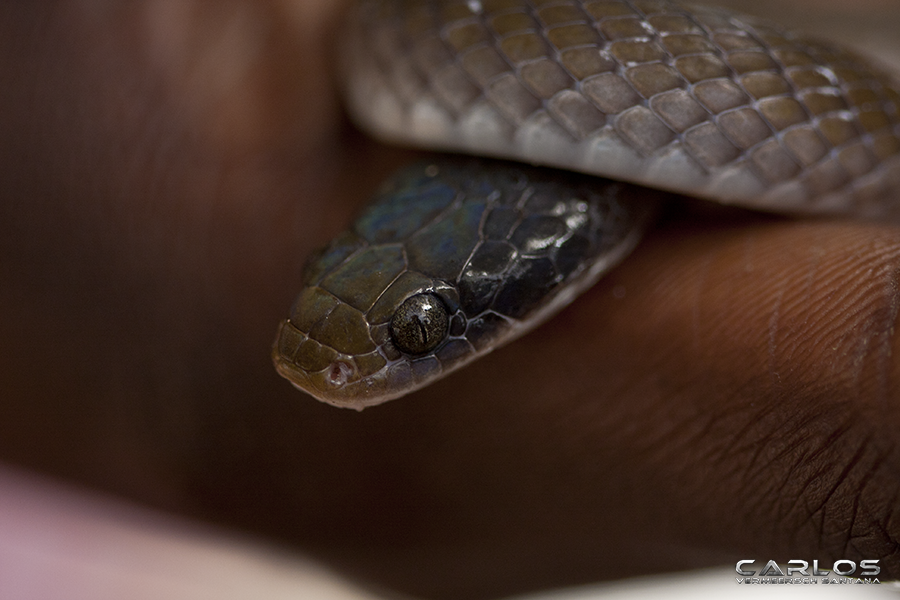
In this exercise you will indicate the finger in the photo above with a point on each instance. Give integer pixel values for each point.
(728, 392)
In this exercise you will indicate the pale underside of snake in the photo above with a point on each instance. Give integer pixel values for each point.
(454, 258)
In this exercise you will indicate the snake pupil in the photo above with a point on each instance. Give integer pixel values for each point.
(420, 324)
(423, 332)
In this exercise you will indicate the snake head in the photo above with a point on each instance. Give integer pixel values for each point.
(358, 356)
(450, 260)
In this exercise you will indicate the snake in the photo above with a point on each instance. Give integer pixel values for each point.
(570, 122)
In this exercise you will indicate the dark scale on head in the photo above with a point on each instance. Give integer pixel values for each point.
(505, 251)
(420, 324)
(533, 242)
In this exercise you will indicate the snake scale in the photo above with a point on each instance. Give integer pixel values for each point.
(455, 257)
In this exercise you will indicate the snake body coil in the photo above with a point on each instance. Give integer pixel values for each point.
(685, 98)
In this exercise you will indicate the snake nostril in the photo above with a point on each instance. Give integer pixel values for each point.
(339, 373)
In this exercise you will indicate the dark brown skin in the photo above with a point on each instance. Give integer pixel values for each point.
(163, 174)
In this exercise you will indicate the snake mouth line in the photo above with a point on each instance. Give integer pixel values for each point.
(340, 382)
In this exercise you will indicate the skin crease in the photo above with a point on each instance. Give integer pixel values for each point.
(731, 391)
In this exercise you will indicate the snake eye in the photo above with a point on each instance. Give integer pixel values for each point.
(420, 324)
